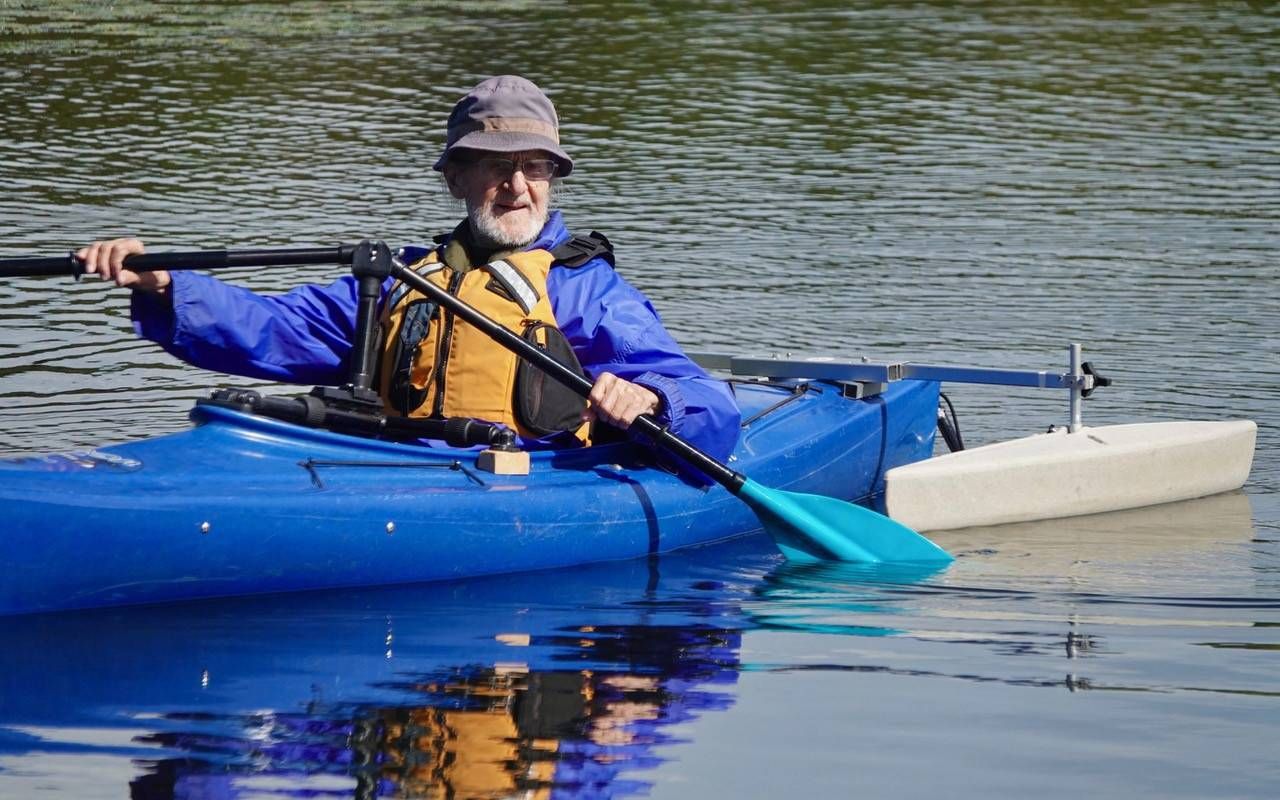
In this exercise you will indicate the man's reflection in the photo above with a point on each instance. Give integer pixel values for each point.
(494, 731)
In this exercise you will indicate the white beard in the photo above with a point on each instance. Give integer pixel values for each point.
(488, 229)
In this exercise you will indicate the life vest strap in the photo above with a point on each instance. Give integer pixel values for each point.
(578, 250)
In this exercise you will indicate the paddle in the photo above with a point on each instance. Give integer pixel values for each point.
(805, 527)
(197, 259)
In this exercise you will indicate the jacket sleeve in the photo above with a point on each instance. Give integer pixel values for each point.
(614, 328)
(302, 336)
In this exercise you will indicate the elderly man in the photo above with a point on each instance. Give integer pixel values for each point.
(512, 258)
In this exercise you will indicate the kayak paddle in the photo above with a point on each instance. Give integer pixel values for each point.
(805, 527)
(198, 259)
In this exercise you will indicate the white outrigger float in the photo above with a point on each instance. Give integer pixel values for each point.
(1068, 471)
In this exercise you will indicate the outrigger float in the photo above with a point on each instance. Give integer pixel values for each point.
(268, 494)
(1070, 470)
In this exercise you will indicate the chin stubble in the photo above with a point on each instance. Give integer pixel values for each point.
(487, 227)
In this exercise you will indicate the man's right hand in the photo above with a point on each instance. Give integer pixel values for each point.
(106, 260)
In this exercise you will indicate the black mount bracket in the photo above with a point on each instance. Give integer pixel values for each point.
(355, 407)
(1099, 380)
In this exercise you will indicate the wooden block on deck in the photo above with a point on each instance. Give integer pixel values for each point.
(503, 462)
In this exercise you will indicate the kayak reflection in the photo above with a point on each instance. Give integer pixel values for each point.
(553, 684)
(476, 731)
(565, 683)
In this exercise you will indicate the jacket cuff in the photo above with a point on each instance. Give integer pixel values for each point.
(155, 317)
(671, 412)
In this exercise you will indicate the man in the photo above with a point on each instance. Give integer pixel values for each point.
(512, 257)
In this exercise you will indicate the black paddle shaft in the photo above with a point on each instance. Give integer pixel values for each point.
(378, 262)
(536, 356)
(200, 259)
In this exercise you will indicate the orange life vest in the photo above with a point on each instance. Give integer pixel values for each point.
(434, 365)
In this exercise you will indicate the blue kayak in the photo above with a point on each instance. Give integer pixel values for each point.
(243, 504)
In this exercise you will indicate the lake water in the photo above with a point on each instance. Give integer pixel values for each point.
(969, 183)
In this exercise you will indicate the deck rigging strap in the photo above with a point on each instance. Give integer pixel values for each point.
(798, 390)
(311, 465)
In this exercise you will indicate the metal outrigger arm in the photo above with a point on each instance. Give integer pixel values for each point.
(1080, 378)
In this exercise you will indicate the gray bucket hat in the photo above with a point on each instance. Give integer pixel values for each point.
(505, 114)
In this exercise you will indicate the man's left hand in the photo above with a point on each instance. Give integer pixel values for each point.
(618, 402)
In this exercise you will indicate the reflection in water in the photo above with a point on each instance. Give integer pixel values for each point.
(503, 730)
(579, 683)
(1103, 548)
(1080, 588)
(822, 598)
(562, 684)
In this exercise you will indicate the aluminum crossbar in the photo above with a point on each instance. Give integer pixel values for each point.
(820, 368)
(863, 371)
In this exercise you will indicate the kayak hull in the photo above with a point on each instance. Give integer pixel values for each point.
(242, 505)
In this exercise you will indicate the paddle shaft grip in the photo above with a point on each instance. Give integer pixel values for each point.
(558, 372)
(200, 259)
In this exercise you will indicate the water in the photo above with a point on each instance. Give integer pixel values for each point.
(971, 183)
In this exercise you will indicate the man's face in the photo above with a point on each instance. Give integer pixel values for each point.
(507, 206)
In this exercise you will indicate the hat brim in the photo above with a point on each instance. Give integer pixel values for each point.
(508, 142)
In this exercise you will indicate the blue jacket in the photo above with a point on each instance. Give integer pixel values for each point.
(305, 336)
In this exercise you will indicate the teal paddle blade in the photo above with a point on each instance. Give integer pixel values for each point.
(810, 527)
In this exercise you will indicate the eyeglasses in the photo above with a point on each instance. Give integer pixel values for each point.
(500, 169)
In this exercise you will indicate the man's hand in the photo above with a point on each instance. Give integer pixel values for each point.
(618, 402)
(106, 260)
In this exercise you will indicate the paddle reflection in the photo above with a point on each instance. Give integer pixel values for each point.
(825, 597)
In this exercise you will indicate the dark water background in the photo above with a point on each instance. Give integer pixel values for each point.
(952, 182)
